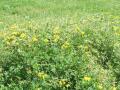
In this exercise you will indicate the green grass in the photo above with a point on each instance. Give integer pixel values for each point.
(42, 9)
(59, 45)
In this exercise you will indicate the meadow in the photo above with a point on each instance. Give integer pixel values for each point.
(59, 45)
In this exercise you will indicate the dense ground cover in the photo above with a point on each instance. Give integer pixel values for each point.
(59, 45)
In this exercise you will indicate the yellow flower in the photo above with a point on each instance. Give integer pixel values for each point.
(8, 43)
(56, 38)
(17, 34)
(46, 40)
(34, 39)
(64, 83)
(82, 33)
(87, 78)
(66, 45)
(23, 35)
(114, 88)
(11, 38)
(100, 87)
(56, 30)
(67, 85)
(42, 75)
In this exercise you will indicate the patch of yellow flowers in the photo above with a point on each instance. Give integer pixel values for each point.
(64, 83)
(56, 38)
(65, 45)
(56, 30)
(46, 40)
(56, 34)
(77, 30)
(42, 75)
(23, 36)
(86, 78)
(82, 33)
(114, 88)
(15, 37)
(34, 39)
(100, 87)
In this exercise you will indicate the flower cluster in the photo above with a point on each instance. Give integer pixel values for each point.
(42, 75)
(64, 83)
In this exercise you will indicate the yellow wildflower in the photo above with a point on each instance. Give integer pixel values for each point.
(87, 78)
(82, 33)
(23, 35)
(42, 75)
(56, 38)
(114, 88)
(100, 87)
(34, 39)
(46, 40)
(56, 30)
(17, 34)
(8, 43)
(67, 85)
(11, 38)
(64, 83)
(14, 33)
(66, 45)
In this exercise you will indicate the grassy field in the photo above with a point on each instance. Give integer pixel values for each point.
(59, 44)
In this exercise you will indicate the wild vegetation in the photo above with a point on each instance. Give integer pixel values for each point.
(59, 45)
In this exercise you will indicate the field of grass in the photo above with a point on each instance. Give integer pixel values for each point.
(59, 45)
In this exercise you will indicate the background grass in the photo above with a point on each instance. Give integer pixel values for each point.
(42, 9)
